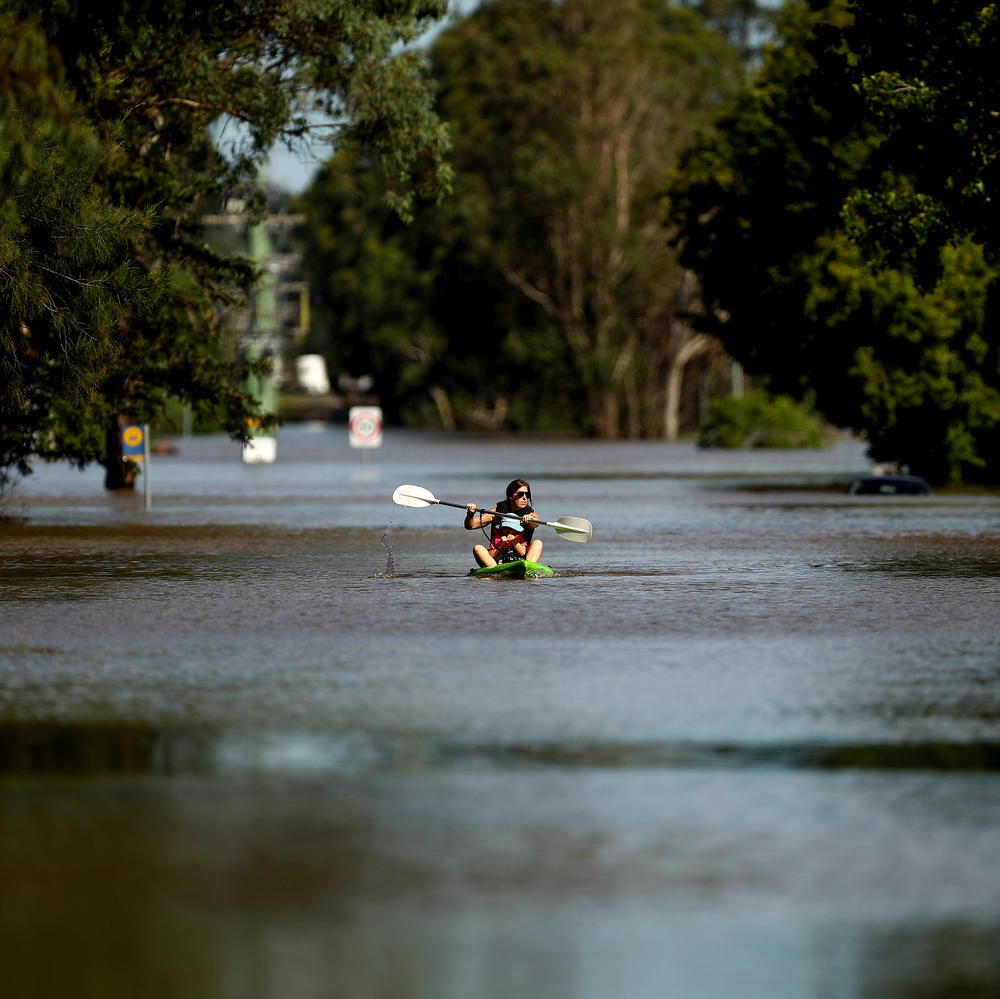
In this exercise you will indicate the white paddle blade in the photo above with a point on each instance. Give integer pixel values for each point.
(573, 528)
(413, 496)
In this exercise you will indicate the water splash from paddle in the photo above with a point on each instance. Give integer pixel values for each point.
(390, 568)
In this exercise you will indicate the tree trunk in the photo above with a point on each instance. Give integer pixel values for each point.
(604, 411)
(118, 474)
(689, 350)
(444, 409)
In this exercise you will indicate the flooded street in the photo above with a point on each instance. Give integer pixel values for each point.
(269, 740)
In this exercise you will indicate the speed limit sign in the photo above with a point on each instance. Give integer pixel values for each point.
(364, 424)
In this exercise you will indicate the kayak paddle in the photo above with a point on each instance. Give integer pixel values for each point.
(570, 528)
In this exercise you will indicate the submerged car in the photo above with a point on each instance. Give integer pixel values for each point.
(888, 485)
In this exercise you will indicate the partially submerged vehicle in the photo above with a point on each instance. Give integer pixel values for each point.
(888, 485)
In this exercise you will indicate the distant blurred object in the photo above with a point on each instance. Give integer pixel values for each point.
(888, 485)
(310, 371)
(363, 383)
(260, 451)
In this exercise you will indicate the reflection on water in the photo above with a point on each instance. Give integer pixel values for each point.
(954, 562)
(257, 743)
(49, 749)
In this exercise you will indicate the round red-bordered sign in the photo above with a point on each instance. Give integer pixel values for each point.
(364, 425)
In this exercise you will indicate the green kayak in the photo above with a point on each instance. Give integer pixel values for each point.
(522, 569)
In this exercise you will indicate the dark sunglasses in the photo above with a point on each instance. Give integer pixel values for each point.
(522, 492)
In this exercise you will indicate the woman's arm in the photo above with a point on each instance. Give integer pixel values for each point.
(474, 520)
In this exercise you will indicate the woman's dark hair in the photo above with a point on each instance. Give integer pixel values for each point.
(512, 487)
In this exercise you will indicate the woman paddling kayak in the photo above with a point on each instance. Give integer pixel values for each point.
(511, 535)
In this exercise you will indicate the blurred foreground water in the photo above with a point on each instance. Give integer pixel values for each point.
(269, 740)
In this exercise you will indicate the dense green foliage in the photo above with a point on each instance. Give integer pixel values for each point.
(67, 273)
(760, 420)
(112, 151)
(841, 214)
(413, 306)
(844, 224)
(545, 295)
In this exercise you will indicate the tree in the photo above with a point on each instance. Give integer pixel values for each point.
(574, 112)
(841, 224)
(417, 306)
(550, 264)
(154, 82)
(924, 227)
(67, 270)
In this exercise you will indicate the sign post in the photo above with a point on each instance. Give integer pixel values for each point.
(364, 426)
(135, 447)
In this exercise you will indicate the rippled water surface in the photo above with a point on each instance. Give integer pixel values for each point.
(268, 739)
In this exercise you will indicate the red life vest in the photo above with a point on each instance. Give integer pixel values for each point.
(521, 538)
(499, 544)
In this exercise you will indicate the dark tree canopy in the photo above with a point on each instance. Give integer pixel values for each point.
(843, 226)
(549, 294)
(128, 97)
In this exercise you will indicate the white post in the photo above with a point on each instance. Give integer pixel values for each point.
(148, 486)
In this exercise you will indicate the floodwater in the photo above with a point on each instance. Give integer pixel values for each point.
(269, 740)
